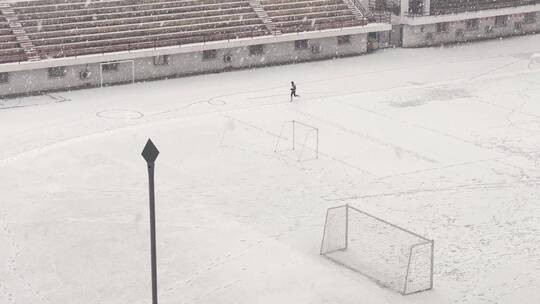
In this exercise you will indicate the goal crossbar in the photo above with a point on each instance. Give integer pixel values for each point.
(386, 222)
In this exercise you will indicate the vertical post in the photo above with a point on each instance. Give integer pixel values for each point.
(432, 256)
(101, 74)
(404, 292)
(133, 71)
(317, 146)
(324, 232)
(150, 154)
(346, 226)
(293, 127)
(153, 232)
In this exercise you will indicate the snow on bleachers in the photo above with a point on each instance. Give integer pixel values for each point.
(60, 28)
(291, 15)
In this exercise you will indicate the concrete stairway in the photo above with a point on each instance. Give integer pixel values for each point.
(263, 15)
(19, 32)
(359, 10)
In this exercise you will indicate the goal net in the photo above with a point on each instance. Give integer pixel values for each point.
(390, 255)
(298, 141)
(115, 72)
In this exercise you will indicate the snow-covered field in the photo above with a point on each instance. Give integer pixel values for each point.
(442, 141)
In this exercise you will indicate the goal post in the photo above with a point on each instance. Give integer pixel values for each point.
(390, 255)
(117, 71)
(298, 140)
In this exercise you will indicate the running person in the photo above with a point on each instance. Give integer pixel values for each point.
(293, 91)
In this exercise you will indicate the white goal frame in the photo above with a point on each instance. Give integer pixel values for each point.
(294, 143)
(329, 246)
(118, 62)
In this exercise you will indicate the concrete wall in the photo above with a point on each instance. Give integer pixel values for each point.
(395, 35)
(426, 35)
(34, 81)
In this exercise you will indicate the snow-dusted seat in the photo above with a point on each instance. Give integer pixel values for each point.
(95, 9)
(149, 33)
(319, 16)
(133, 17)
(181, 24)
(310, 15)
(304, 26)
(278, 7)
(11, 54)
(148, 41)
(307, 10)
(137, 44)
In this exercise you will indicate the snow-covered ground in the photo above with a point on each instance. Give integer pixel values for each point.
(442, 141)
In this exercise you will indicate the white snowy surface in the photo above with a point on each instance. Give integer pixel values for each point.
(442, 141)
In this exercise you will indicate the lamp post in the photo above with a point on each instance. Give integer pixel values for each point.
(150, 153)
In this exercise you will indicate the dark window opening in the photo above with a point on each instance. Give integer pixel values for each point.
(56, 72)
(530, 18)
(501, 20)
(161, 60)
(256, 49)
(4, 77)
(301, 44)
(109, 67)
(472, 24)
(209, 54)
(346, 39)
(442, 27)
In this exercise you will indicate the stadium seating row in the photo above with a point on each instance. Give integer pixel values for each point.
(290, 16)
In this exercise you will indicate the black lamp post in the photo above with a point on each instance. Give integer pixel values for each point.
(150, 153)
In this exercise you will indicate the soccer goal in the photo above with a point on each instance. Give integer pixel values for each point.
(298, 140)
(392, 256)
(122, 71)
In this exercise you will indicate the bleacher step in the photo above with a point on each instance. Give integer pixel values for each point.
(263, 15)
(19, 32)
(358, 8)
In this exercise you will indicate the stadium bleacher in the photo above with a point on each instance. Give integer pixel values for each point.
(64, 28)
(290, 15)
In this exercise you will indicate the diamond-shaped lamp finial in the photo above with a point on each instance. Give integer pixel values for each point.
(150, 152)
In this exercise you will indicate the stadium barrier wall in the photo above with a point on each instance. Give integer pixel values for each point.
(181, 64)
(422, 31)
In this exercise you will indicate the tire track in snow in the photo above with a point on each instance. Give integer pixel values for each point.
(77, 138)
(328, 156)
(463, 187)
(369, 138)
